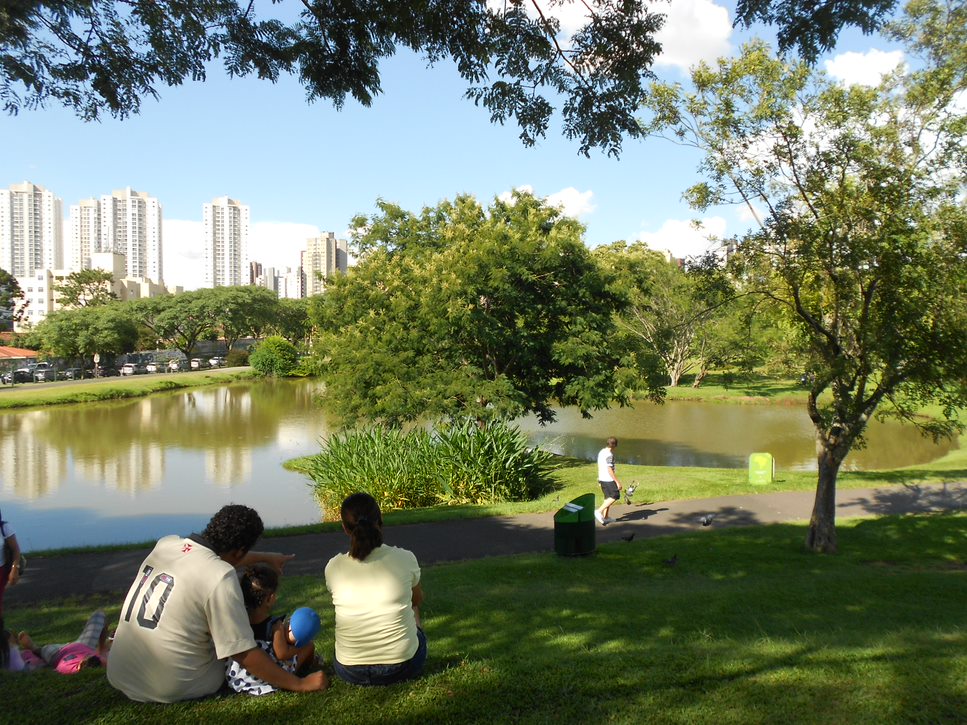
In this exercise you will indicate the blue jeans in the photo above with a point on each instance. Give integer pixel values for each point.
(385, 674)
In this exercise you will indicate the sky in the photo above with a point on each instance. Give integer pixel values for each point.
(307, 168)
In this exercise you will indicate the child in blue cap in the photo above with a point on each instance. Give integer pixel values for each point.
(288, 640)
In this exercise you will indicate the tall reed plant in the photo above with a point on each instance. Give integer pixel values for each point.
(455, 464)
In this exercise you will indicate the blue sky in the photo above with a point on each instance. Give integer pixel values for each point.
(306, 168)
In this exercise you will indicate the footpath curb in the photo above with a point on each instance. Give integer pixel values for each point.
(58, 577)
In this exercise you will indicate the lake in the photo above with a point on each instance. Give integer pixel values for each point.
(136, 470)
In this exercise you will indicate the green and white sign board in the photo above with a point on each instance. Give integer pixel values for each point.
(762, 468)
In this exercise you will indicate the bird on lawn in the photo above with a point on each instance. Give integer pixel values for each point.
(629, 537)
(707, 519)
(629, 492)
(672, 561)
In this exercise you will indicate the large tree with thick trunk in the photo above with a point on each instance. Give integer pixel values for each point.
(862, 227)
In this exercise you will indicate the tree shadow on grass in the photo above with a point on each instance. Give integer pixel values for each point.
(915, 498)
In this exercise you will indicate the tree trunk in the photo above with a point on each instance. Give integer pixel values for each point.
(700, 377)
(822, 524)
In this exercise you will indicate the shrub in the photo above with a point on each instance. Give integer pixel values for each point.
(236, 358)
(274, 356)
(454, 465)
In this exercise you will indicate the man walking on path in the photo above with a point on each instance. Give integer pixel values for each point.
(610, 485)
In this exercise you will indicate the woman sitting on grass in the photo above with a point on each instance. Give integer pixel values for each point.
(376, 593)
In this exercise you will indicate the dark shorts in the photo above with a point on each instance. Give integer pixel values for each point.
(610, 489)
(385, 674)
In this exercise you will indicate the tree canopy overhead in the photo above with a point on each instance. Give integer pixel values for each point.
(97, 56)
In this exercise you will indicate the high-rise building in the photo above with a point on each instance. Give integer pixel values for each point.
(125, 222)
(31, 229)
(324, 256)
(226, 224)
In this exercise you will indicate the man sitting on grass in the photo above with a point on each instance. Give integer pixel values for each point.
(184, 616)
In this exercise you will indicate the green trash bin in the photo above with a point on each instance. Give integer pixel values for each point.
(762, 468)
(574, 532)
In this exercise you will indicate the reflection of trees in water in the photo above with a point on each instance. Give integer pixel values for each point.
(122, 443)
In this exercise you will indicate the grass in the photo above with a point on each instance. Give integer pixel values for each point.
(747, 628)
(29, 395)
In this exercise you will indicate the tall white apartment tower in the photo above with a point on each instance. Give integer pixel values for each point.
(130, 224)
(31, 229)
(324, 256)
(85, 234)
(226, 243)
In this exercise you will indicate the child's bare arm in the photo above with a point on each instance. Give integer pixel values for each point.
(283, 649)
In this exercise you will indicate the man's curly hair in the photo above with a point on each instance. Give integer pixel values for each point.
(233, 527)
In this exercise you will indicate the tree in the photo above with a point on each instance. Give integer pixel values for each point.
(12, 298)
(676, 312)
(242, 311)
(274, 357)
(106, 55)
(86, 288)
(463, 312)
(84, 331)
(180, 320)
(862, 238)
(292, 321)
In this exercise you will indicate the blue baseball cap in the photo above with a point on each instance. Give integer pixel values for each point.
(305, 625)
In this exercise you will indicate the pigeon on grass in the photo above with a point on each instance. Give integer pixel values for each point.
(629, 492)
(672, 561)
(707, 519)
(629, 537)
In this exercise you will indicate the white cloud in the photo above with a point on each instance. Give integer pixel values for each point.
(865, 69)
(573, 203)
(274, 244)
(694, 30)
(684, 238)
(183, 245)
(570, 201)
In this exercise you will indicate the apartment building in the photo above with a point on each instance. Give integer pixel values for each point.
(31, 228)
(226, 223)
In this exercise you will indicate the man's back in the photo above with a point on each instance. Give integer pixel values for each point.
(182, 615)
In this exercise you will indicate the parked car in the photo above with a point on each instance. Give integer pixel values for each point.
(152, 367)
(70, 374)
(174, 365)
(198, 364)
(20, 375)
(44, 373)
(133, 369)
(217, 362)
(104, 372)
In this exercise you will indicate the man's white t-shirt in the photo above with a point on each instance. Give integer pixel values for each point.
(183, 616)
(605, 464)
(373, 599)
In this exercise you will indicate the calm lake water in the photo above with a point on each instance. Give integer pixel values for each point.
(137, 470)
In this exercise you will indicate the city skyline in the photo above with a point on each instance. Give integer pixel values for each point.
(307, 168)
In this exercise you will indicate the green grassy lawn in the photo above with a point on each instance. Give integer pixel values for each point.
(28, 395)
(746, 628)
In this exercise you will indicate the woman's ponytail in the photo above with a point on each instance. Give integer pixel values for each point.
(364, 522)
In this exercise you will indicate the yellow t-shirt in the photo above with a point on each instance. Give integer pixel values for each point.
(373, 599)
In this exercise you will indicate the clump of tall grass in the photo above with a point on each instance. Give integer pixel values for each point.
(455, 464)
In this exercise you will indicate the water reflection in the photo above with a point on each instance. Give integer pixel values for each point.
(127, 469)
(139, 469)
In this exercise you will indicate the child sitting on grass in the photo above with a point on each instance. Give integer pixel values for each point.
(287, 640)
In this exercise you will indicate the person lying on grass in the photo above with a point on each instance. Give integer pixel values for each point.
(91, 649)
(184, 616)
(288, 641)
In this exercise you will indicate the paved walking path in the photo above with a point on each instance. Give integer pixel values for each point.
(112, 572)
